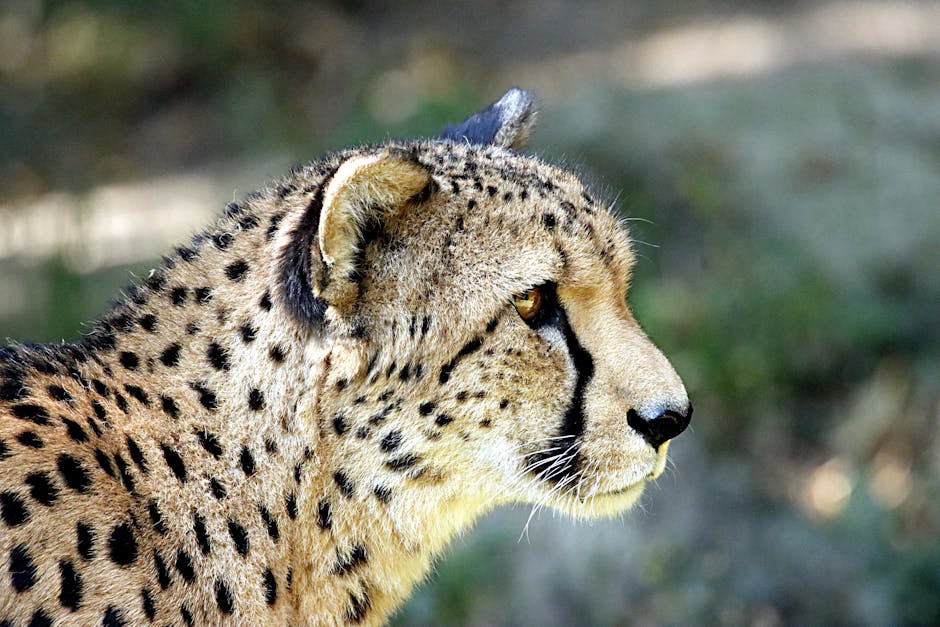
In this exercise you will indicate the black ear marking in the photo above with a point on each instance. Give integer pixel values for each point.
(296, 266)
(507, 122)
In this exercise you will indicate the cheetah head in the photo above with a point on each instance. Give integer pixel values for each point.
(473, 302)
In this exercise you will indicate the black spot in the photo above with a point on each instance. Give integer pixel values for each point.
(113, 617)
(217, 356)
(276, 353)
(121, 402)
(73, 473)
(239, 537)
(187, 616)
(100, 388)
(30, 439)
(156, 281)
(70, 590)
(192, 328)
(272, 227)
(94, 425)
(270, 523)
(122, 545)
(171, 355)
(136, 454)
(22, 569)
(33, 413)
(98, 408)
(13, 509)
(270, 587)
(222, 240)
(4, 450)
(147, 601)
(247, 461)
(202, 536)
(12, 387)
(324, 514)
(59, 393)
(339, 424)
(203, 295)
(346, 564)
(491, 325)
(148, 322)
(443, 420)
(100, 340)
(491, 190)
(184, 565)
(223, 597)
(174, 461)
(291, 504)
(358, 606)
(462, 395)
(169, 407)
(391, 441)
(247, 221)
(384, 494)
(265, 302)
(126, 478)
(270, 446)
(41, 488)
(210, 442)
(402, 462)
(248, 333)
(504, 403)
(236, 270)
(255, 400)
(163, 574)
(186, 254)
(74, 431)
(85, 540)
(207, 397)
(123, 322)
(40, 619)
(129, 360)
(346, 487)
(138, 394)
(548, 219)
(218, 490)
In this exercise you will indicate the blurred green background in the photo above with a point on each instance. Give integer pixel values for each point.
(780, 162)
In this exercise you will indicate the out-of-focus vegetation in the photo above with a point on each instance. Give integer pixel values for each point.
(780, 163)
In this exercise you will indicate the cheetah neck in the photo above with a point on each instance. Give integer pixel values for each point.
(236, 416)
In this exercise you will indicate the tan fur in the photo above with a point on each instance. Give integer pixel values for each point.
(366, 457)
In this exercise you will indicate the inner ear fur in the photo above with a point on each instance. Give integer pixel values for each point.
(363, 193)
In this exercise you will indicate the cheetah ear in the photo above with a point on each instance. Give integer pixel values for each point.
(508, 122)
(363, 193)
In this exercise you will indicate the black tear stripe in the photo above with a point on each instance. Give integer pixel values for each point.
(296, 286)
(572, 425)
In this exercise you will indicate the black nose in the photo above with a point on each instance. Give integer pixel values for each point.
(661, 428)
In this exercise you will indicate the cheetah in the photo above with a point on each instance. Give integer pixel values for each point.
(286, 421)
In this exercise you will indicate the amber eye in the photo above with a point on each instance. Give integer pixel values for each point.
(529, 303)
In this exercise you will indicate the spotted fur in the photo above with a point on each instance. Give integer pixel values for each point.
(286, 421)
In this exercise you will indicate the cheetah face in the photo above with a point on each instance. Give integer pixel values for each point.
(482, 296)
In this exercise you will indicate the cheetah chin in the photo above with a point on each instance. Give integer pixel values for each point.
(294, 414)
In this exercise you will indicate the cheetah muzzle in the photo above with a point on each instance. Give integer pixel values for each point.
(287, 421)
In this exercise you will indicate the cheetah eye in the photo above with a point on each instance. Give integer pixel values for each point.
(529, 303)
